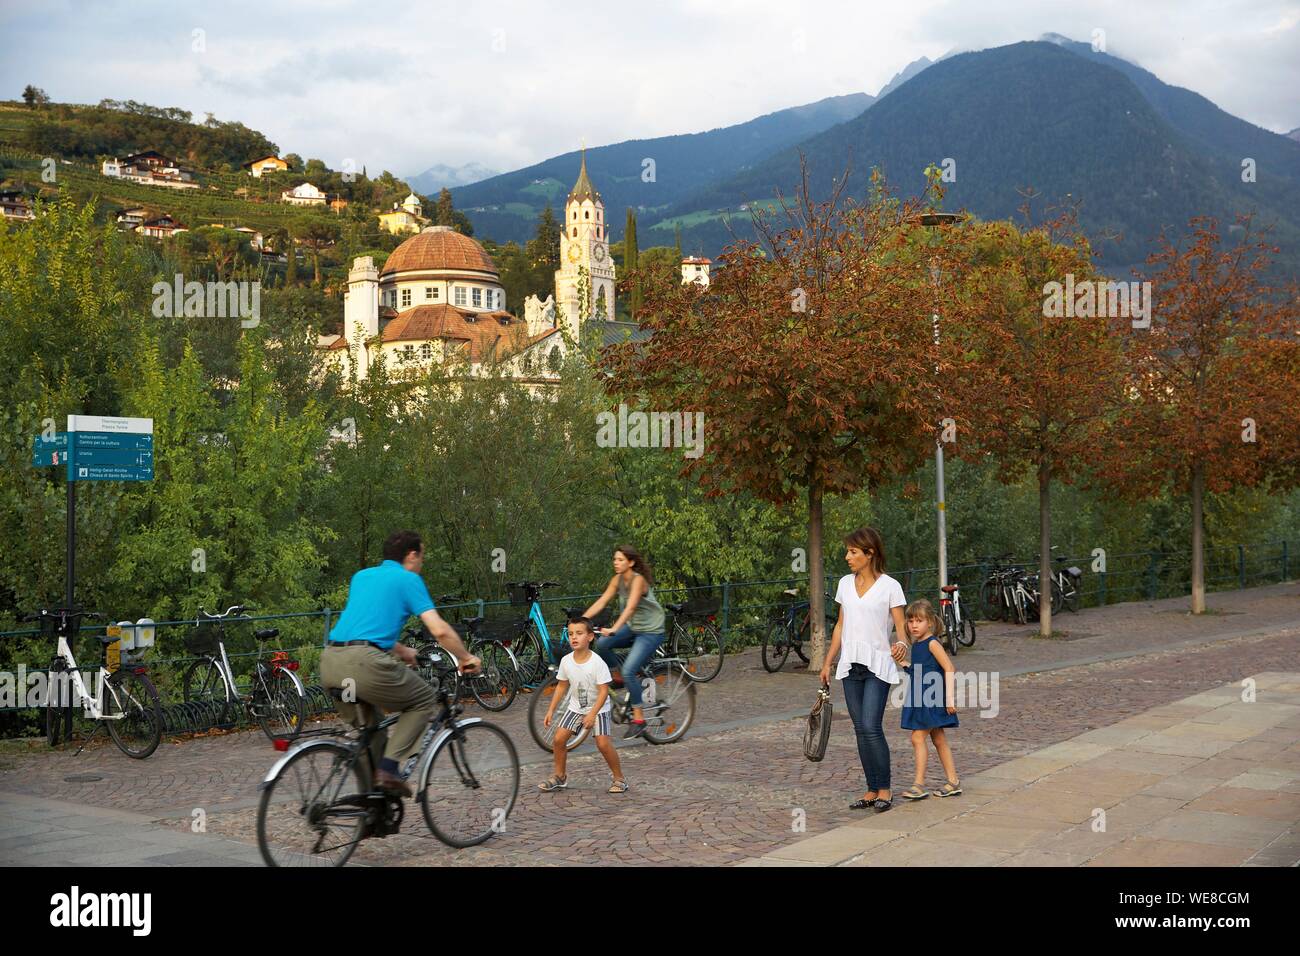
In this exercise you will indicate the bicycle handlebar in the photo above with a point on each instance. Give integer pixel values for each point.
(59, 612)
(532, 584)
(234, 609)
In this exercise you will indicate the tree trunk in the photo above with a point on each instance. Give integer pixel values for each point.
(816, 578)
(1198, 539)
(1045, 549)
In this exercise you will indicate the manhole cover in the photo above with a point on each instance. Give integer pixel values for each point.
(83, 778)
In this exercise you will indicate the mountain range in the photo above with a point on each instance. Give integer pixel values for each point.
(441, 176)
(1053, 117)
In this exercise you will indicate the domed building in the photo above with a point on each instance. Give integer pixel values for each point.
(438, 297)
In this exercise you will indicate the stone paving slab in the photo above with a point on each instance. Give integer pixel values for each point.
(1148, 793)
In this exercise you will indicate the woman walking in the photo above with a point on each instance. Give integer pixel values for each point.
(870, 600)
(640, 624)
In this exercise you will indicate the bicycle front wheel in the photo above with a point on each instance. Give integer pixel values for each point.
(205, 685)
(991, 605)
(133, 713)
(313, 813)
(530, 658)
(776, 647)
(496, 687)
(471, 785)
(673, 709)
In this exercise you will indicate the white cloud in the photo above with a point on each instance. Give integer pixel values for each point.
(404, 85)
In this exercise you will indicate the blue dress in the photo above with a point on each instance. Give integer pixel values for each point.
(924, 707)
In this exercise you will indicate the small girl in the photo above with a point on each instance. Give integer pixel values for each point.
(931, 699)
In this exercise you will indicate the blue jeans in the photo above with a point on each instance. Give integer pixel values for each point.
(866, 699)
(643, 648)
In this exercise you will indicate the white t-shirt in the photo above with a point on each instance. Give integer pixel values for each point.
(584, 682)
(864, 639)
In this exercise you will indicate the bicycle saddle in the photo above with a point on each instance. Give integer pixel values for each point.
(676, 608)
(266, 633)
(791, 592)
(471, 621)
(948, 588)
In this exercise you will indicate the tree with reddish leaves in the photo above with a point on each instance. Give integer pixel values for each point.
(1214, 384)
(810, 355)
(1038, 381)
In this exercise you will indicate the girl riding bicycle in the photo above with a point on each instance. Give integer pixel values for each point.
(639, 624)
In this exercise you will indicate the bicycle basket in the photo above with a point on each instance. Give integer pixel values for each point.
(818, 733)
(519, 594)
(701, 605)
(202, 639)
(497, 631)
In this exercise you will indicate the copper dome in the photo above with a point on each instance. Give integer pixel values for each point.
(438, 247)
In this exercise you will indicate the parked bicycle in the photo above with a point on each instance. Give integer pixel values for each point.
(1066, 579)
(497, 682)
(318, 801)
(1010, 593)
(790, 629)
(667, 698)
(125, 701)
(958, 628)
(535, 649)
(276, 698)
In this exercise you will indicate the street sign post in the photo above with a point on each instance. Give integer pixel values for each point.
(95, 448)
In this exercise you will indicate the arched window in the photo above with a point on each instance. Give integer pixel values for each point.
(575, 214)
(597, 215)
(598, 232)
(575, 232)
(586, 214)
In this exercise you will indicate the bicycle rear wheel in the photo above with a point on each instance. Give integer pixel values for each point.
(314, 811)
(282, 709)
(537, 707)
(673, 710)
(470, 785)
(776, 647)
(949, 629)
(133, 713)
(966, 633)
(699, 643)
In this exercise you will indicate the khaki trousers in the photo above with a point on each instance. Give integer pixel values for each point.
(368, 675)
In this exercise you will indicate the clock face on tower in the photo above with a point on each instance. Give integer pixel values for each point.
(574, 253)
(598, 252)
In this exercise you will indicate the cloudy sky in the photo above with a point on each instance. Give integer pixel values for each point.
(402, 86)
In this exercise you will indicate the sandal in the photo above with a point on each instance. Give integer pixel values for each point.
(863, 804)
(553, 783)
(916, 793)
(880, 806)
(618, 786)
(949, 790)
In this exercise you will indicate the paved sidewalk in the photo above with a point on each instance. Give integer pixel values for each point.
(1211, 780)
(38, 831)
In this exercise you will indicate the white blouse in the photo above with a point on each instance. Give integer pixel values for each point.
(864, 638)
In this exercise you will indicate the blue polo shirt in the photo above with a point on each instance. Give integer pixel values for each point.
(380, 599)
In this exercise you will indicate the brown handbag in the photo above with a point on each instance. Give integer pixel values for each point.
(818, 733)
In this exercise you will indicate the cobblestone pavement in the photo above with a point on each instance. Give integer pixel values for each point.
(737, 787)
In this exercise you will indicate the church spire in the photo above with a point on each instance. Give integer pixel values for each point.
(583, 189)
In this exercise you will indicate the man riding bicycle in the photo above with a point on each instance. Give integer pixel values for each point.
(364, 658)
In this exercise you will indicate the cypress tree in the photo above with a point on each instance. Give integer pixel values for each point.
(630, 262)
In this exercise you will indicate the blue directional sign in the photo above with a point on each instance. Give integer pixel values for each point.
(110, 449)
(53, 451)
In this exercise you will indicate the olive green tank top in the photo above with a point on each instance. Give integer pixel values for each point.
(648, 618)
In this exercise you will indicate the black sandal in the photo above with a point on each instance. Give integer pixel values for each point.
(880, 806)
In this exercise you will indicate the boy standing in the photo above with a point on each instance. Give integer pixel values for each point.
(589, 706)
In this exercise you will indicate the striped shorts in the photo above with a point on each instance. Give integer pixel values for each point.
(573, 720)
